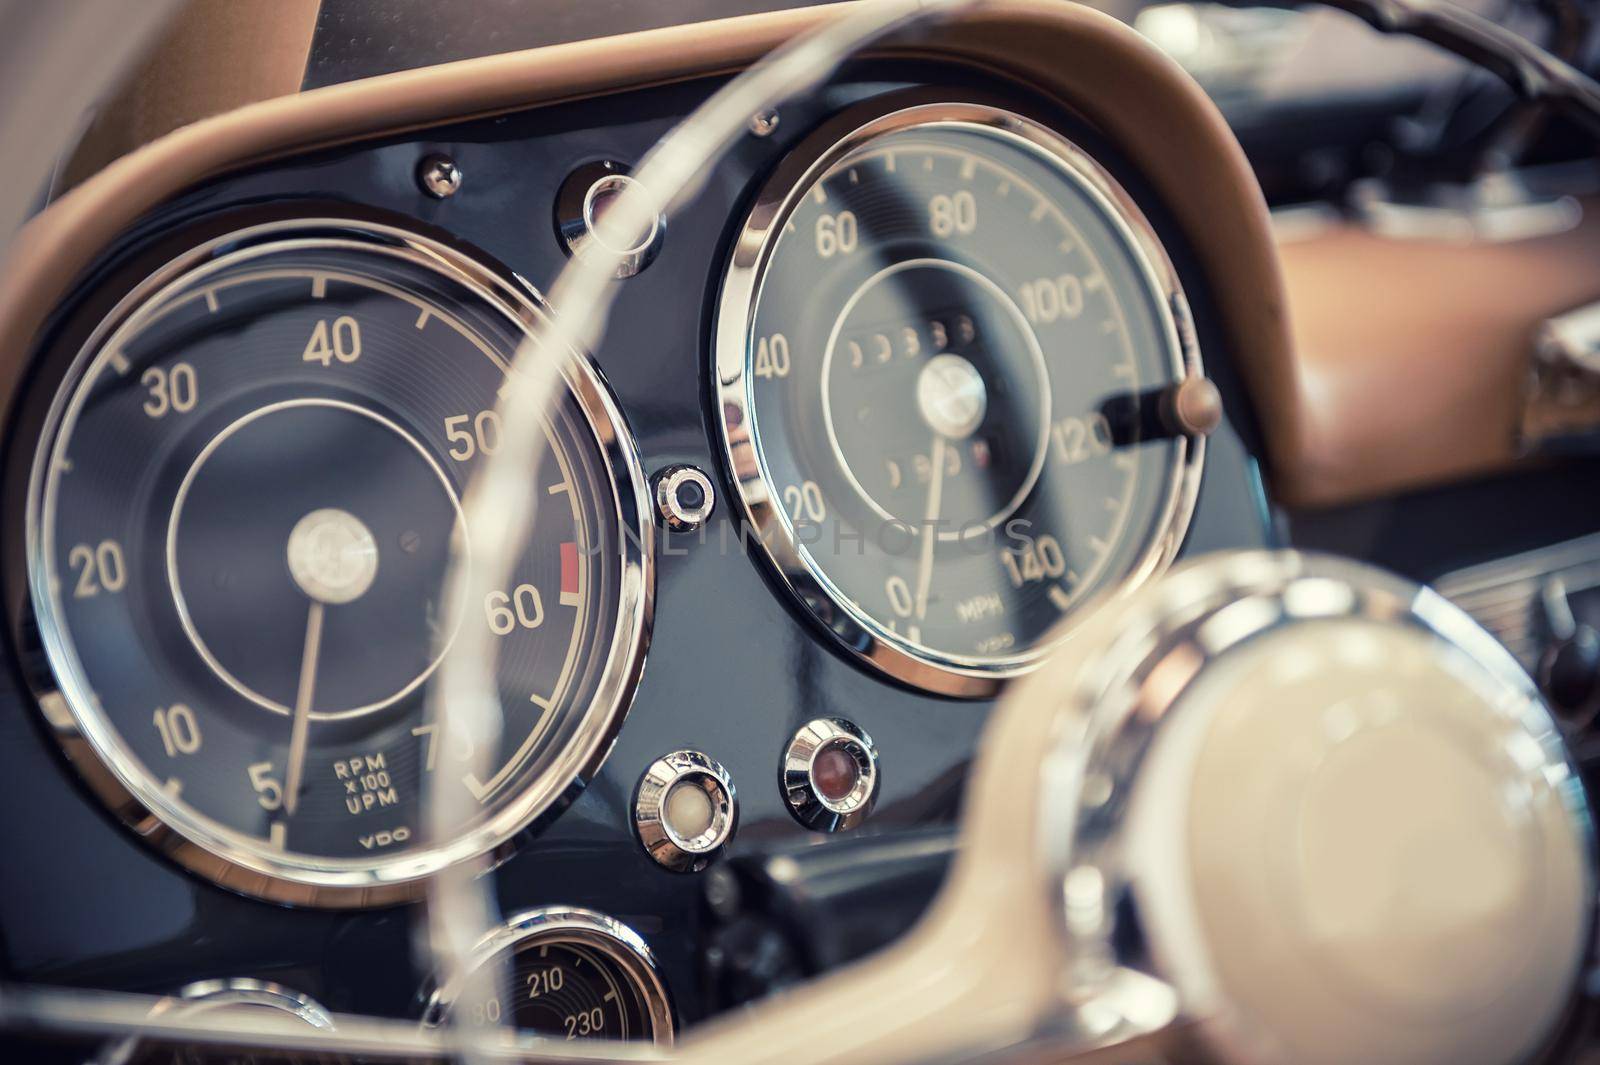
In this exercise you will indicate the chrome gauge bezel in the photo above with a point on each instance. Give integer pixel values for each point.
(574, 925)
(862, 636)
(109, 767)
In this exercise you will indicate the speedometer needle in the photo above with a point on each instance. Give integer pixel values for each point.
(301, 730)
(930, 524)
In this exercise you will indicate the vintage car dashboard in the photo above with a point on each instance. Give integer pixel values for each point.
(246, 398)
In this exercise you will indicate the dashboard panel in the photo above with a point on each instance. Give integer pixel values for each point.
(85, 902)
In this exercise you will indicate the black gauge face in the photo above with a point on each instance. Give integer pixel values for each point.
(567, 974)
(567, 991)
(245, 515)
(941, 381)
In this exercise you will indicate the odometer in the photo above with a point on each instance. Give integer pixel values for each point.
(241, 520)
(945, 345)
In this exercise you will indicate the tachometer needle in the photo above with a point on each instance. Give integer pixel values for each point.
(301, 730)
(930, 524)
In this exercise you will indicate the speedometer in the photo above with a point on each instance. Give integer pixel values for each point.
(948, 353)
(241, 518)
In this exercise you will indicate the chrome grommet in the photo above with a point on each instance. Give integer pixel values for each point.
(684, 498)
(581, 203)
(829, 775)
(684, 810)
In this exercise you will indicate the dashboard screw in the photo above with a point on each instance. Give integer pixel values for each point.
(763, 123)
(439, 176)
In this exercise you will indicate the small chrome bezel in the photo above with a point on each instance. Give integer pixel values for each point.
(574, 925)
(243, 991)
(657, 836)
(860, 635)
(578, 225)
(674, 514)
(110, 769)
(809, 806)
(204, 996)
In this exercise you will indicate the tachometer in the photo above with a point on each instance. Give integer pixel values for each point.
(948, 350)
(240, 521)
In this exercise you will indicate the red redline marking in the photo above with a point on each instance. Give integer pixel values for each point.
(569, 567)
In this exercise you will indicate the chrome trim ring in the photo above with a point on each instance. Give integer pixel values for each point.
(675, 513)
(664, 843)
(231, 995)
(569, 925)
(857, 632)
(797, 779)
(579, 210)
(227, 857)
(205, 995)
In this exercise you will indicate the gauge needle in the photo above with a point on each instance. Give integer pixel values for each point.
(301, 730)
(930, 524)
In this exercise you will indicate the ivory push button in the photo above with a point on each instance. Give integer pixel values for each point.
(684, 810)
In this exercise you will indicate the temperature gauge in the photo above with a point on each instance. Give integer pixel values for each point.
(569, 974)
